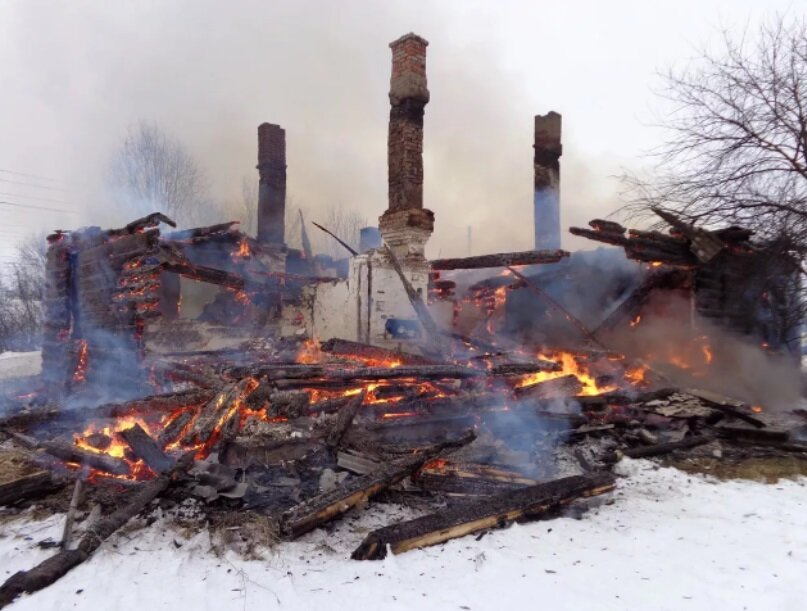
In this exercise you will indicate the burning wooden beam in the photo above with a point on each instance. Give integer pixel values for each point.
(311, 513)
(565, 386)
(533, 502)
(146, 448)
(502, 259)
(343, 347)
(72, 454)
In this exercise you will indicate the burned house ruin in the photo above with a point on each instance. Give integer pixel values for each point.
(486, 387)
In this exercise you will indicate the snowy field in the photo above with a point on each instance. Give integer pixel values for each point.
(663, 540)
(17, 364)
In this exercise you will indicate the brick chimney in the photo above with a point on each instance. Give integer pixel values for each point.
(406, 225)
(546, 164)
(272, 187)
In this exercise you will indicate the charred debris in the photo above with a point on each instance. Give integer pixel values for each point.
(473, 390)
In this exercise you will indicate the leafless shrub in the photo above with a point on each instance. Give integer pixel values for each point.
(21, 293)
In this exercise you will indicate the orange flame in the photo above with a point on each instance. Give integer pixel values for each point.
(569, 366)
(80, 374)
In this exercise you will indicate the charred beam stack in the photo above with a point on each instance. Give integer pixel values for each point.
(746, 287)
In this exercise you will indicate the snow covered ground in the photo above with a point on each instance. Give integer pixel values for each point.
(18, 364)
(667, 540)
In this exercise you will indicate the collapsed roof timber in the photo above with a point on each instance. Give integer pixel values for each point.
(432, 380)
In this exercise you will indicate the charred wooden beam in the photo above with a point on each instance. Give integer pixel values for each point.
(200, 232)
(145, 448)
(175, 427)
(207, 274)
(55, 567)
(343, 347)
(343, 421)
(727, 405)
(73, 454)
(502, 259)
(565, 386)
(533, 502)
(28, 487)
(316, 511)
(218, 410)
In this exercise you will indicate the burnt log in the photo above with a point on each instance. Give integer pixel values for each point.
(502, 259)
(175, 427)
(343, 347)
(145, 448)
(216, 412)
(206, 274)
(533, 502)
(73, 454)
(27, 487)
(727, 405)
(316, 511)
(565, 386)
(55, 567)
(343, 421)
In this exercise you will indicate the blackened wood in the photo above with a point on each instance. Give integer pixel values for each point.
(55, 567)
(344, 420)
(28, 487)
(207, 274)
(659, 448)
(502, 259)
(146, 448)
(71, 453)
(67, 532)
(727, 405)
(343, 347)
(532, 502)
(316, 511)
(174, 428)
(214, 413)
(505, 369)
(565, 386)
(200, 232)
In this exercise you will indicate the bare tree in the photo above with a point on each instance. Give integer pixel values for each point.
(153, 172)
(737, 146)
(21, 292)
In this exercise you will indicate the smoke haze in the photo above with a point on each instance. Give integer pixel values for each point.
(76, 75)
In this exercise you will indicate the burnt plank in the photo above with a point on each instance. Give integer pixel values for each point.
(71, 453)
(146, 448)
(28, 487)
(502, 259)
(532, 502)
(324, 507)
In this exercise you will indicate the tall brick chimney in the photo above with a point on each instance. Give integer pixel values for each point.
(546, 163)
(272, 186)
(406, 225)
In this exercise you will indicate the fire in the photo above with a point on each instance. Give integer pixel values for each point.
(707, 353)
(243, 251)
(636, 375)
(636, 320)
(309, 353)
(656, 264)
(569, 366)
(757, 409)
(80, 374)
(117, 447)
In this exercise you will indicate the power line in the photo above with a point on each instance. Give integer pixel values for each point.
(31, 206)
(30, 184)
(67, 182)
(41, 199)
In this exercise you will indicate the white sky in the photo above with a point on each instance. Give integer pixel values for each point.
(74, 75)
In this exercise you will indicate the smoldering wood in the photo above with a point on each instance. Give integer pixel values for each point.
(29, 487)
(175, 427)
(145, 448)
(727, 405)
(211, 414)
(659, 449)
(311, 375)
(343, 421)
(506, 369)
(316, 511)
(502, 259)
(207, 274)
(185, 373)
(70, 453)
(343, 347)
(201, 232)
(565, 386)
(533, 502)
(55, 567)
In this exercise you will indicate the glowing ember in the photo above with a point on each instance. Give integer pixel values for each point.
(80, 374)
(243, 251)
(757, 409)
(636, 320)
(309, 353)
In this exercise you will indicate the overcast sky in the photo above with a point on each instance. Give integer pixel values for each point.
(74, 75)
